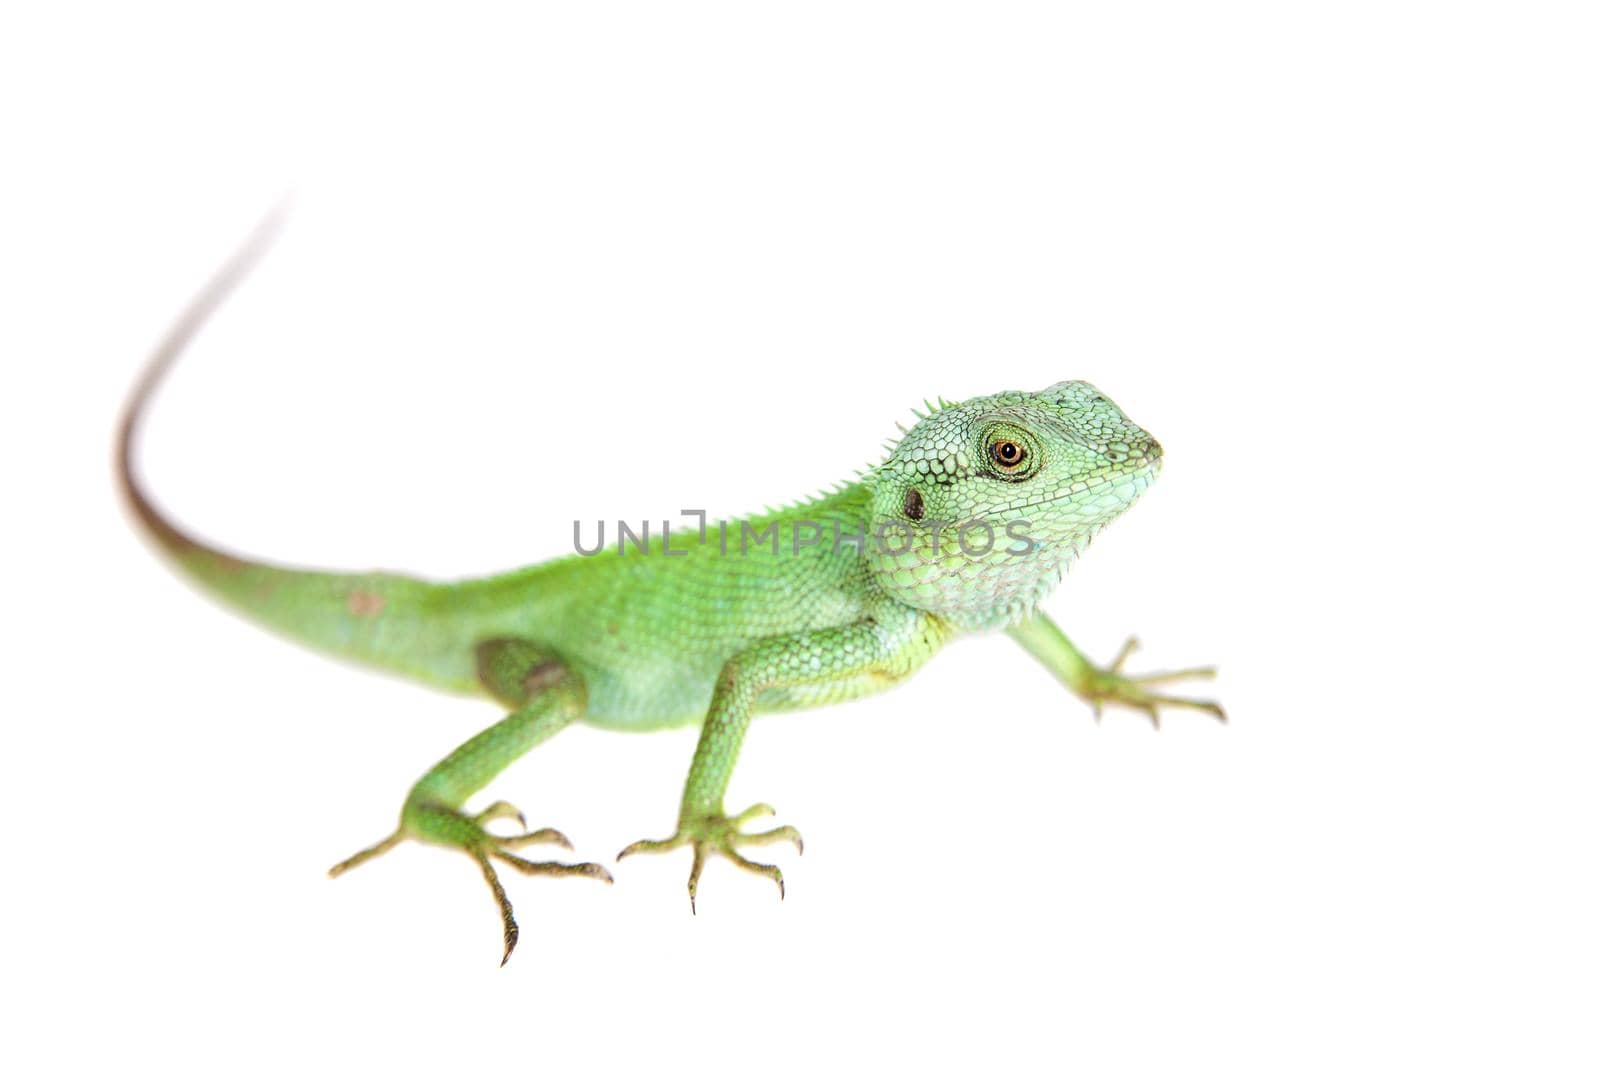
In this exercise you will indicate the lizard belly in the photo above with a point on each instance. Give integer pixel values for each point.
(641, 676)
(650, 633)
(658, 694)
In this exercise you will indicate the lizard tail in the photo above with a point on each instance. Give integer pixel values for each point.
(385, 620)
(173, 541)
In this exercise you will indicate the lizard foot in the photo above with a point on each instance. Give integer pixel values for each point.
(1110, 685)
(719, 834)
(434, 824)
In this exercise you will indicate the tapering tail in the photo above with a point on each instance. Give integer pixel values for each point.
(390, 621)
(172, 539)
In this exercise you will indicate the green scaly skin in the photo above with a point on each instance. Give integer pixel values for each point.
(689, 631)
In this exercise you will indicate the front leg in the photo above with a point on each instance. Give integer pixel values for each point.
(1044, 641)
(815, 667)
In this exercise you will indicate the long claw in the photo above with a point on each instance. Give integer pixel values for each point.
(507, 920)
(773, 836)
(694, 874)
(554, 869)
(757, 810)
(540, 836)
(761, 868)
(1213, 709)
(645, 847)
(499, 809)
(367, 853)
(1194, 673)
(1129, 646)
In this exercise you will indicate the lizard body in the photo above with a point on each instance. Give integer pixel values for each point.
(967, 523)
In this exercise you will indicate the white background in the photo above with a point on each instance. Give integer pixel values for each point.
(618, 260)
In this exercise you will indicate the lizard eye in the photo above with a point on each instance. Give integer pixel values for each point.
(1008, 453)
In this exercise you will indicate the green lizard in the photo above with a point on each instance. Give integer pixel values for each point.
(965, 526)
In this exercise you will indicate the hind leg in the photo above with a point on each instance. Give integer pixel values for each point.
(544, 695)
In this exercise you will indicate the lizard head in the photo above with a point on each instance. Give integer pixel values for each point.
(980, 506)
